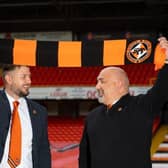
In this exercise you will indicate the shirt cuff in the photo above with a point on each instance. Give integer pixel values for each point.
(166, 61)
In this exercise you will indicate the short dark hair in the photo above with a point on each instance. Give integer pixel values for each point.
(8, 67)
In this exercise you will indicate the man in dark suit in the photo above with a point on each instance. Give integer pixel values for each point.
(35, 150)
(118, 133)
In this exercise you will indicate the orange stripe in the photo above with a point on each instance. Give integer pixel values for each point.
(159, 57)
(24, 52)
(11, 162)
(159, 159)
(114, 52)
(69, 54)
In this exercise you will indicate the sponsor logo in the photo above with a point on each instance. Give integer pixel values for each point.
(139, 50)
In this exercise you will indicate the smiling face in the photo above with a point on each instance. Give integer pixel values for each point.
(18, 81)
(112, 83)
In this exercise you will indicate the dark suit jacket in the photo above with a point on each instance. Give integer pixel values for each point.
(120, 137)
(40, 144)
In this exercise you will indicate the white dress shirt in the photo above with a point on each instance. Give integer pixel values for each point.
(26, 152)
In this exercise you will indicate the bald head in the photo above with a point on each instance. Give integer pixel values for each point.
(116, 73)
(112, 84)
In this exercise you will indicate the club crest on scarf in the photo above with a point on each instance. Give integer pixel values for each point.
(138, 51)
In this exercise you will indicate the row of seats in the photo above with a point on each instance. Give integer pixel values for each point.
(139, 74)
(62, 129)
(70, 130)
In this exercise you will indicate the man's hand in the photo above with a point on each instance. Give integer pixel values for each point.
(164, 45)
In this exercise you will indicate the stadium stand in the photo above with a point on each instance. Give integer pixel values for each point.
(139, 74)
(65, 132)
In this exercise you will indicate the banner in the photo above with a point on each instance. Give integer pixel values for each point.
(80, 53)
(59, 93)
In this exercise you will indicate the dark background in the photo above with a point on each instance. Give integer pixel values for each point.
(83, 15)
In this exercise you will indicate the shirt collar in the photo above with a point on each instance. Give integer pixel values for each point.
(110, 105)
(11, 99)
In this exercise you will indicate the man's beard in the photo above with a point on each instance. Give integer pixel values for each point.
(100, 95)
(23, 94)
(100, 99)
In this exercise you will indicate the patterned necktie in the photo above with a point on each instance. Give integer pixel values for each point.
(14, 156)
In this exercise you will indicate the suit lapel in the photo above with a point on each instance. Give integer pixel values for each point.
(5, 114)
(5, 103)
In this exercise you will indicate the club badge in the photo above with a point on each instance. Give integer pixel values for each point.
(138, 51)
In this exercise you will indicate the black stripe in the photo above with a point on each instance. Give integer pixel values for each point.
(159, 161)
(11, 162)
(6, 51)
(92, 53)
(47, 53)
(160, 151)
